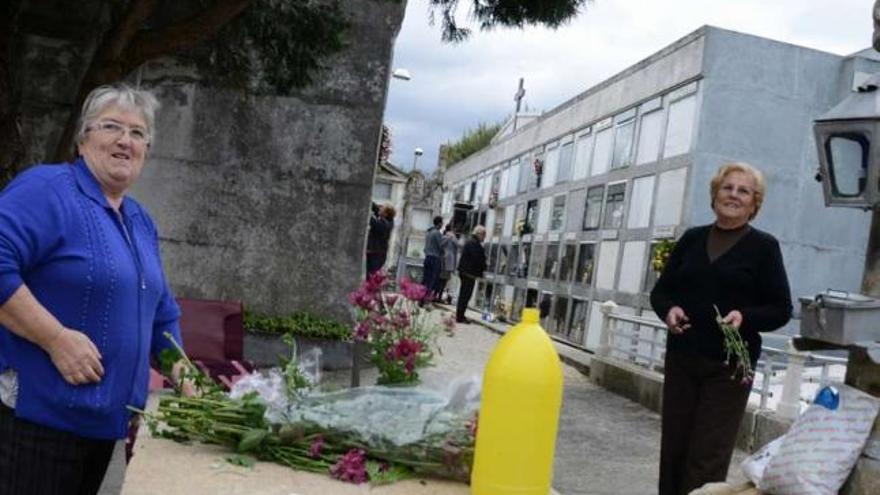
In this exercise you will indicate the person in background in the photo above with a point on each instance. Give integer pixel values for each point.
(449, 245)
(381, 225)
(83, 302)
(433, 252)
(470, 267)
(739, 269)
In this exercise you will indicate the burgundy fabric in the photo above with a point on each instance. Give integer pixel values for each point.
(212, 330)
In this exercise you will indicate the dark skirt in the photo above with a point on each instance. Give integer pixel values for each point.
(38, 460)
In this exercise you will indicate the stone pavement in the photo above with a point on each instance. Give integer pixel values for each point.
(607, 444)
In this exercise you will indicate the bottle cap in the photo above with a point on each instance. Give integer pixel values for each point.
(530, 315)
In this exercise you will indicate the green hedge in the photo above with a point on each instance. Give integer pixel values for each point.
(299, 323)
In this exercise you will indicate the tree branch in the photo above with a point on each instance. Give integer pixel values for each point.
(148, 45)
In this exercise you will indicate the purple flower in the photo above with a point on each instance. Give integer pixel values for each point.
(362, 299)
(315, 448)
(391, 299)
(362, 330)
(375, 282)
(413, 291)
(351, 467)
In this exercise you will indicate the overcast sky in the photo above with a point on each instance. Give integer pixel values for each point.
(455, 87)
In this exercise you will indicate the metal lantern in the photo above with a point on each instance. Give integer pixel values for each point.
(848, 158)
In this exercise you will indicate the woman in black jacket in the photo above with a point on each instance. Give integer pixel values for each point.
(739, 269)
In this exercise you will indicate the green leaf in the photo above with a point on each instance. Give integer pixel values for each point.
(240, 460)
(167, 358)
(384, 474)
(252, 440)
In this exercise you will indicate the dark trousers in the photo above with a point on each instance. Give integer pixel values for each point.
(702, 410)
(37, 460)
(375, 262)
(465, 291)
(430, 273)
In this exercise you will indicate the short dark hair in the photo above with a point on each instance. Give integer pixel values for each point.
(438, 221)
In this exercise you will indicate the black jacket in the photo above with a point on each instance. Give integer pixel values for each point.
(473, 259)
(380, 232)
(750, 277)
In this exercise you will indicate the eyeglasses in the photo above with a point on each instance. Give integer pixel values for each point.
(740, 191)
(138, 135)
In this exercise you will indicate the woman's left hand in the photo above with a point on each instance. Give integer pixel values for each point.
(734, 318)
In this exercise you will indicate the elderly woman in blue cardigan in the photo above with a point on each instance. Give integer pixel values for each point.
(739, 269)
(83, 302)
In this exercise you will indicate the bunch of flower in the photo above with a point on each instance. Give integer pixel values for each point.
(397, 328)
(538, 165)
(736, 351)
(661, 254)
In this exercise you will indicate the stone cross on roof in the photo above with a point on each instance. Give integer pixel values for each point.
(520, 93)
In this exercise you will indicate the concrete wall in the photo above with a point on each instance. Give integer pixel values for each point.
(265, 199)
(759, 100)
(674, 64)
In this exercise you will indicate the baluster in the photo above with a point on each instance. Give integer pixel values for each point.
(789, 406)
(605, 337)
(765, 381)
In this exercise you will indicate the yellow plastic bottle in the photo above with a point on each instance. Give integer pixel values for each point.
(519, 413)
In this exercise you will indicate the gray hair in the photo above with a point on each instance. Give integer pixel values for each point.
(479, 230)
(123, 95)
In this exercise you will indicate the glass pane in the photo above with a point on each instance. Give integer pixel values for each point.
(560, 310)
(551, 165)
(584, 271)
(566, 155)
(602, 153)
(536, 267)
(551, 265)
(577, 322)
(670, 194)
(519, 299)
(614, 206)
(649, 137)
(623, 137)
(593, 208)
(513, 261)
(567, 264)
(582, 157)
(679, 129)
(502, 259)
(848, 163)
(558, 214)
(640, 202)
(492, 258)
(513, 179)
(531, 219)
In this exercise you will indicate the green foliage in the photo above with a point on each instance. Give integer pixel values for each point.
(240, 460)
(505, 13)
(276, 46)
(471, 142)
(385, 474)
(300, 323)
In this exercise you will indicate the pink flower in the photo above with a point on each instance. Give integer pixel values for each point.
(362, 298)
(315, 448)
(412, 290)
(351, 467)
(406, 350)
(391, 299)
(362, 330)
(375, 282)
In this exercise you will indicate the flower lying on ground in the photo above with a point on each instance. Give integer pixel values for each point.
(351, 467)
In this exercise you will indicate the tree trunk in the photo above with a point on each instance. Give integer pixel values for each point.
(11, 146)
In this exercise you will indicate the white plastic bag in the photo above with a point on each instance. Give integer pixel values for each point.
(821, 447)
(754, 465)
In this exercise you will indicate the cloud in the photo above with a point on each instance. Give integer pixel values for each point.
(456, 87)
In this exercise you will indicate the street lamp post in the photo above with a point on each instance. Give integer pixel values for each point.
(416, 154)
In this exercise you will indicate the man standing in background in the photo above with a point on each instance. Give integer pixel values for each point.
(433, 252)
(470, 267)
